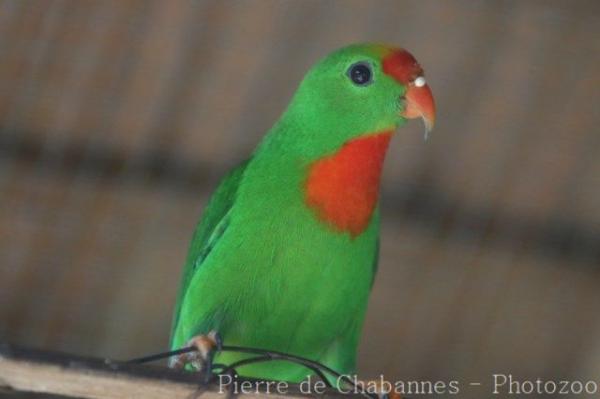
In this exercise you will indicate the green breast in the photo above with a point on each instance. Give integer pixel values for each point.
(281, 279)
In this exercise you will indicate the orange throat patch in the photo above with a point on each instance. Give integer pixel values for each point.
(343, 188)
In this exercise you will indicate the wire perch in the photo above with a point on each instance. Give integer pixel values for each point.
(262, 355)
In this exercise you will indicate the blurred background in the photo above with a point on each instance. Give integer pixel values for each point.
(117, 119)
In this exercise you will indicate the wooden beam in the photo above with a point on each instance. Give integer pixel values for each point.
(57, 374)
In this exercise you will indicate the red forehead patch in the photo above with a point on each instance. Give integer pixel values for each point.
(402, 66)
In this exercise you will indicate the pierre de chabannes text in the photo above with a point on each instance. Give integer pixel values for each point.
(496, 384)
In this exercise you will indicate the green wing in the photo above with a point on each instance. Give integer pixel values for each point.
(211, 227)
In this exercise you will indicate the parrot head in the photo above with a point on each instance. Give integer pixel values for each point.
(362, 89)
(339, 125)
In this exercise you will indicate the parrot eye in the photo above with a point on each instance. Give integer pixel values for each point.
(361, 73)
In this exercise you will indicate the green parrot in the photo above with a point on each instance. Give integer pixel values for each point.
(286, 251)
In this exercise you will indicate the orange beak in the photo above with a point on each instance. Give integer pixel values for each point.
(420, 104)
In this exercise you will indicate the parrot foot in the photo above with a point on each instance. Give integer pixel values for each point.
(202, 358)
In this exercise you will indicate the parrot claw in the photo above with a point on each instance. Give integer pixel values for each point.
(202, 358)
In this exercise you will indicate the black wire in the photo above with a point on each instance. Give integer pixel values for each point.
(315, 367)
(293, 358)
(264, 355)
(245, 362)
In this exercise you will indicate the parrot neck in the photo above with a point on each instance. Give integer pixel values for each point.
(343, 188)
